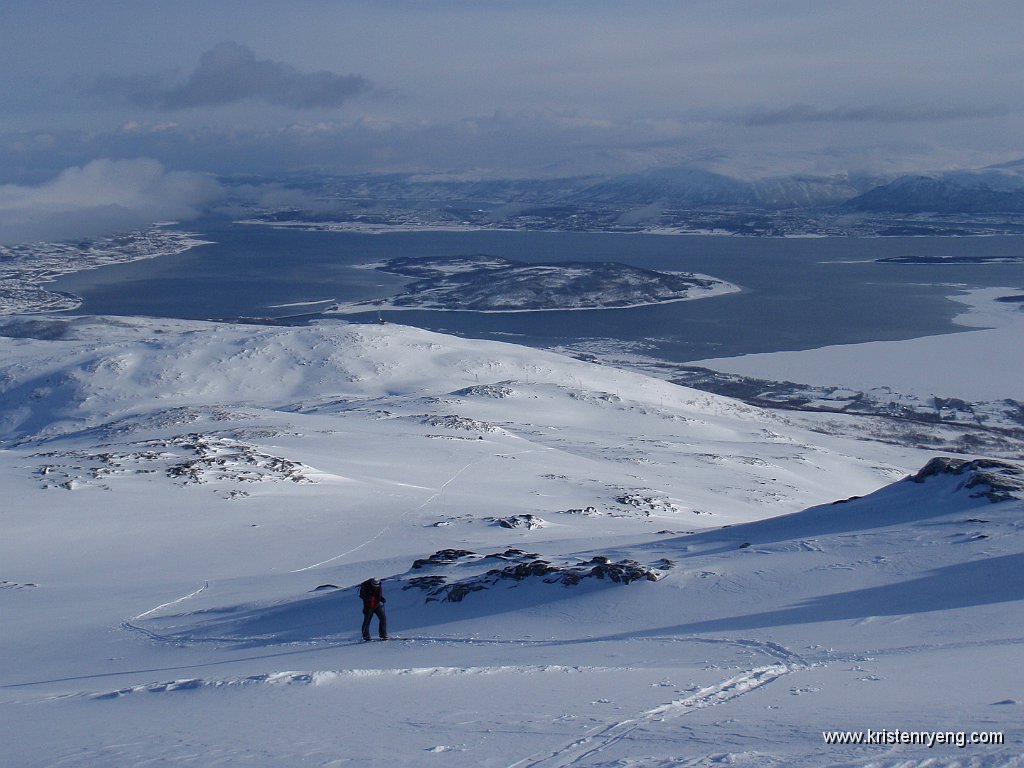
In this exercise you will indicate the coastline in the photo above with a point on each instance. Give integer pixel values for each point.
(34, 265)
(721, 288)
(985, 361)
(367, 228)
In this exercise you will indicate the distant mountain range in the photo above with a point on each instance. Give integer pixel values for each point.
(999, 189)
(688, 187)
(991, 190)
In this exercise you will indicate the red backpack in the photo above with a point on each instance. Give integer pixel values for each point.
(371, 593)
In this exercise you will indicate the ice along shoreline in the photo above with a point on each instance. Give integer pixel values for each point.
(26, 268)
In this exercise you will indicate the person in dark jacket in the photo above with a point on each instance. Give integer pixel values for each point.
(372, 594)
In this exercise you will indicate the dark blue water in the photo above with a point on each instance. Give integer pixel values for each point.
(798, 293)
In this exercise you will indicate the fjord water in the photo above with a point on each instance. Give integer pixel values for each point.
(797, 293)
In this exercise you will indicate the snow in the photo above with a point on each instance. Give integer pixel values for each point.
(175, 492)
(983, 364)
(25, 269)
(492, 284)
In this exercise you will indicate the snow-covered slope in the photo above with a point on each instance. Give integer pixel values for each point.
(584, 566)
(958, 192)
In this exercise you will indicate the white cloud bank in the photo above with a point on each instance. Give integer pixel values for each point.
(101, 197)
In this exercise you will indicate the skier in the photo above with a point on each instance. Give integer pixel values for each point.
(372, 594)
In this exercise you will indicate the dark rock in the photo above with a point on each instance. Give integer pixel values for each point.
(531, 566)
(455, 592)
(520, 571)
(589, 511)
(443, 557)
(995, 480)
(520, 521)
(623, 572)
(513, 554)
(424, 582)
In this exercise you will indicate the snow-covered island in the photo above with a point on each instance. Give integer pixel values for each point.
(482, 283)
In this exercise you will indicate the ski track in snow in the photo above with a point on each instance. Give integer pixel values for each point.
(606, 736)
(603, 737)
(766, 647)
(437, 493)
(206, 585)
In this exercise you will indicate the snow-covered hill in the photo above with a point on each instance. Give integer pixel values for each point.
(980, 192)
(584, 566)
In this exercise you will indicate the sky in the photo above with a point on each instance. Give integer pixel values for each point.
(512, 89)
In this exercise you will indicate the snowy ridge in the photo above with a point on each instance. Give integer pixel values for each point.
(140, 364)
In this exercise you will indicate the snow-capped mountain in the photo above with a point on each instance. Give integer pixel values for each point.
(988, 191)
(689, 187)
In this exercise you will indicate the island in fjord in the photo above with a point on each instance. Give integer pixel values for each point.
(482, 283)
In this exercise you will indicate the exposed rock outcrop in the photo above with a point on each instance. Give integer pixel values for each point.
(995, 480)
(526, 565)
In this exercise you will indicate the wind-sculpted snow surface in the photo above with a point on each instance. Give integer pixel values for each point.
(583, 566)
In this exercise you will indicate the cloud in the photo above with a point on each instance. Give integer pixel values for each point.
(101, 197)
(229, 73)
(805, 113)
(539, 143)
